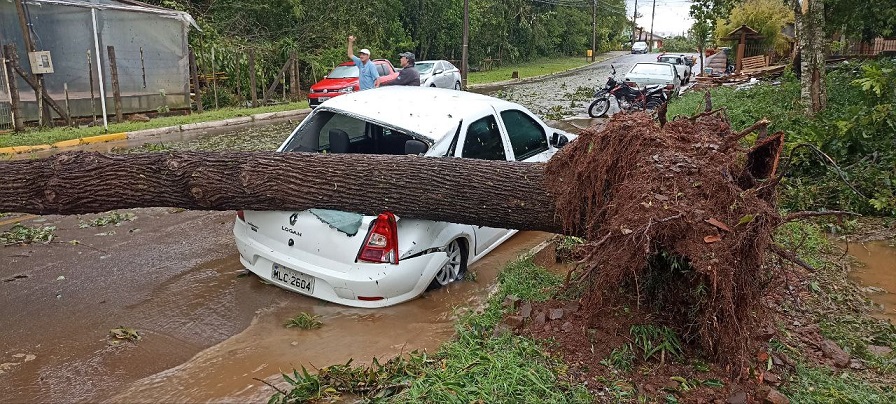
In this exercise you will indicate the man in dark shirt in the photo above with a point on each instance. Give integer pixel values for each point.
(408, 76)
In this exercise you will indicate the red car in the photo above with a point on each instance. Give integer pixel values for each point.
(344, 79)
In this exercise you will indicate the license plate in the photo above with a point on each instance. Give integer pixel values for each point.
(322, 99)
(293, 278)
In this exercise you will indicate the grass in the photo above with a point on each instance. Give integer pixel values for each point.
(304, 321)
(476, 366)
(529, 69)
(36, 136)
(819, 385)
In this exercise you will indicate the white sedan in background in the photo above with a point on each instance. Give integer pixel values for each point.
(649, 73)
(377, 261)
(438, 73)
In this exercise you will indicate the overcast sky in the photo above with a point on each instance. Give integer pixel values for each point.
(671, 15)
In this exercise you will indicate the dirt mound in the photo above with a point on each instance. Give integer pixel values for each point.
(678, 224)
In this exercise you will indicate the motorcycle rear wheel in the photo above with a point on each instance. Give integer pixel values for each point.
(599, 108)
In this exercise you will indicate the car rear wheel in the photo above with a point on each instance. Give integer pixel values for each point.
(457, 85)
(455, 268)
(432, 85)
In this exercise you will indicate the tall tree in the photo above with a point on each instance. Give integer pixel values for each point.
(810, 38)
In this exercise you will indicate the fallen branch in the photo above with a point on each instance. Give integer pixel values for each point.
(790, 256)
(804, 214)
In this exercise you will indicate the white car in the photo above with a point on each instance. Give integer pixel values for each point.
(438, 73)
(650, 73)
(639, 47)
(377, 261)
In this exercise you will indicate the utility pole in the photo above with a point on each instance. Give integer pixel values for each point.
(635, 23)
(29, 47)
(593, 29)
(652, 16)
(464, 66)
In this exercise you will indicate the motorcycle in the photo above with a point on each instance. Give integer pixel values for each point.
(627, 98)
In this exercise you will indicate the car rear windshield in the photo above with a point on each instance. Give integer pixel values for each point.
(343, 72)
(651, 69)
(670, 59)
(330, 132)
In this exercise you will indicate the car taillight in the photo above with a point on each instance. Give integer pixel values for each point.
(669, 86)
(381, 244)
(631, 84)
(240, 215)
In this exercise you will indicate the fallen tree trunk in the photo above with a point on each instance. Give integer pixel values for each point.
(487, 193)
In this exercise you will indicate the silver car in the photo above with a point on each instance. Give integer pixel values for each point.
(438, 73)
(648, 73)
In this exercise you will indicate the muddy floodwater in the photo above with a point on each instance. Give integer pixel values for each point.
(878, 274)
(207, 330)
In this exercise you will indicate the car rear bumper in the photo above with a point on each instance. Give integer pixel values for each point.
(350, 280)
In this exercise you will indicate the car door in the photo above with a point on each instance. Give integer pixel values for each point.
(527, 136)
(440, 77)
(483, 138)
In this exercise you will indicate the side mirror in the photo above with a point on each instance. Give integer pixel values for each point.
(438, 71)
(614, 68)
(558, 140)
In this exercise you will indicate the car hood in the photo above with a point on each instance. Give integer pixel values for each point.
(334, 84)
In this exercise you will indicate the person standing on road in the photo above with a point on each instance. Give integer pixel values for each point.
(408, 76)
(367, 75)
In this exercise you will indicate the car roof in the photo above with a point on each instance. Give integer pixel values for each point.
(428, 112)
(377, 61)
(653, 63)
(431, 61)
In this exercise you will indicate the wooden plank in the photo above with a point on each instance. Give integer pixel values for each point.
(18, 124)
(116, 88)
(195, 75)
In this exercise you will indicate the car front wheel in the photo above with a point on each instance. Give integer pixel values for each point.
(455, 268)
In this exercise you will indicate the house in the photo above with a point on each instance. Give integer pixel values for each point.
(653, 41)
(150, 47)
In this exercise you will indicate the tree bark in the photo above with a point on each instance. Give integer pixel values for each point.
(810, 37)
(501, 194)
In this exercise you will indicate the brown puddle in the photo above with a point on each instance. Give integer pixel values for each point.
(226, 371)
(878, 272)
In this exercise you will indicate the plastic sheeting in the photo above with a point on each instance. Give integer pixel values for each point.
(151, 53)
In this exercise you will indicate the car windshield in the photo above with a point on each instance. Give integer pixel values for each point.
(343, 72)
(640, 44)
(651, 69)
(424, 68)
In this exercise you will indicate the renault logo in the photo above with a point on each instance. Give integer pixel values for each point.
(293, 219)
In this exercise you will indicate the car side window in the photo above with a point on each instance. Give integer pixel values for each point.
(527, 137)
(483, 140)
(382, 70)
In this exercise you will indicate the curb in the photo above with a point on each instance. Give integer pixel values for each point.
(145, 133)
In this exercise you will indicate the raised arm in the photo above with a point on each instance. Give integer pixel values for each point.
(350, 52)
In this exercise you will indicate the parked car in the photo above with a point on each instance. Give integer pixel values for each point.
(438, 73)
(682, 66)
(377, 261)
(344, 79)
(648, 73)
(639, 47)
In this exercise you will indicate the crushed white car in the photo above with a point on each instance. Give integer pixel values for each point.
(377, 261)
